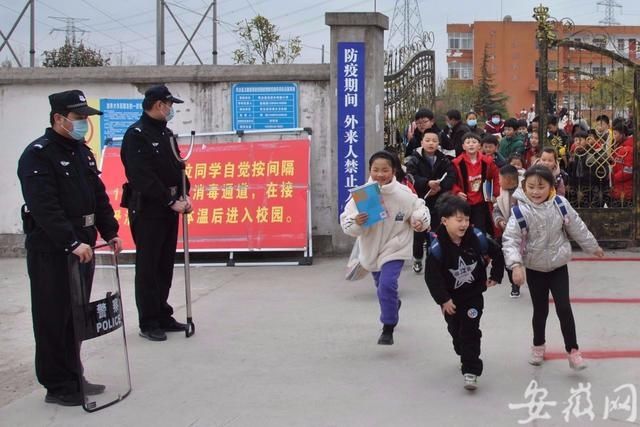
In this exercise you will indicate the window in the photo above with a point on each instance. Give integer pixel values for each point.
(600, 42)
(621, 48)
(460, 41)
(461, 70)
(598, 71)
(553, 70)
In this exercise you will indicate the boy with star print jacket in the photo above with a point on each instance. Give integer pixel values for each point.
(440, 274)
(456, 275)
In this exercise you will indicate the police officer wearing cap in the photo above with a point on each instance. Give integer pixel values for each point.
(153, 196)
(66, 205)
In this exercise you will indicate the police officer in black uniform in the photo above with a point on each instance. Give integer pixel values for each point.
(65, 206)
(153, 196)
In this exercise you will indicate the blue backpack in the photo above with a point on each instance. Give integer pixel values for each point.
(436, 250)
(522, 223)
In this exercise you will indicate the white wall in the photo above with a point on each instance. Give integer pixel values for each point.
(24, 114)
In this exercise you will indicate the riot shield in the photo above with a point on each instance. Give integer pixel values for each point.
(99, 329)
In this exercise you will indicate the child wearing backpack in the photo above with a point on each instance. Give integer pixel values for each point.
(510, 180)
(456, 275)
(386, 244)
(433, 175)
(537, 239)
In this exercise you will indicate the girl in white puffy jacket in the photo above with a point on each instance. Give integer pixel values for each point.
(537, 240)
(385, 245)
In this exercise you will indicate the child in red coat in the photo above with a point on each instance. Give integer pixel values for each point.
(475, 173)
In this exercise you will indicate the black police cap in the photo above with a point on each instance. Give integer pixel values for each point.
(160, 93)
(71, 101)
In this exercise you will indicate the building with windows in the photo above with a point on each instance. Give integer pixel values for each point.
(512, 54)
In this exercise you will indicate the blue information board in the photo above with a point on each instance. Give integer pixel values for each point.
(119, 114)
(264, 105)
(351, 119)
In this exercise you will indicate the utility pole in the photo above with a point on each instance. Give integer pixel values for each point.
(32, 35)
(215, 32)
(160, 32)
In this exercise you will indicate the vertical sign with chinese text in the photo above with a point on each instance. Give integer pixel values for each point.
(351, 119)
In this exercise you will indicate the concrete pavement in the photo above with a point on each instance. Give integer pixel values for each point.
(296, 346)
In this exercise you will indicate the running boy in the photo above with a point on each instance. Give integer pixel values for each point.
(456, 276)
(433, 175)
(386, 244)
(544, 251)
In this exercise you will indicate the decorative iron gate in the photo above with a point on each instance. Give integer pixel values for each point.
(409, 84)
(591, 81)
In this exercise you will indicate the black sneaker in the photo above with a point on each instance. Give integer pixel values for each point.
(417, 266)
(64, 399)
(153, 334)
(386, 338)
(515, 292)
(92, 389)
(173, 326)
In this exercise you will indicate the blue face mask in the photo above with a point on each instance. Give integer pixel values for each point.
(472, 123)
(495, 120)
(80, 128)
(171, 114)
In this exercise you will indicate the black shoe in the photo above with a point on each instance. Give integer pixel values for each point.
(92, 389)
(417, 266)
(173, 326)
(515, 291)
(153, 334)
(64, 399)
(386, 338)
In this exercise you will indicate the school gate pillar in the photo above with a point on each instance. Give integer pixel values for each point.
(356, 126)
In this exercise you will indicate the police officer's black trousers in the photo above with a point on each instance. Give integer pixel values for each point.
(155, 240)
(58, 366)
(464, 328)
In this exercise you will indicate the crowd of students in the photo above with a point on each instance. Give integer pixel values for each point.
(491, 195)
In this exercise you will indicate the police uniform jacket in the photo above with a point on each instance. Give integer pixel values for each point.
(152, 170)
(61, 186)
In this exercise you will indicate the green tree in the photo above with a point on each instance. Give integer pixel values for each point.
(72, 55)
(613, 92)
(454, 94)
(262, 44)
(487, 99)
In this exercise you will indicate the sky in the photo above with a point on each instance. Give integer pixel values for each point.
(125, 30)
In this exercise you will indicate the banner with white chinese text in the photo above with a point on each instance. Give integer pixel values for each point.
(246, 195)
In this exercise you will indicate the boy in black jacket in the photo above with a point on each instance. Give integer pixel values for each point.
(433, 175)
(456, 276)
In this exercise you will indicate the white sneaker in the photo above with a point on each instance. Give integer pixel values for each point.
(470, 381)
(576, 362)
(537, 355)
